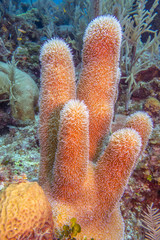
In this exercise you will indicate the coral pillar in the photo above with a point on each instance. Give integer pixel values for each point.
(115, 166)
(57, 87)
(98, 81)
(72, 154)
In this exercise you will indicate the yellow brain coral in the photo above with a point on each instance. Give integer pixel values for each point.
(25, 213)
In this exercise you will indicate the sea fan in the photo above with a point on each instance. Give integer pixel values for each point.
(151, 223)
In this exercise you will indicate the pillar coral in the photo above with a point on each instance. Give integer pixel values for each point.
(99, 77)
(57, 87)
(78, 178)
(87, 183)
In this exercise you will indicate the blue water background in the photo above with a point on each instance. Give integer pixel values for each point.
(55, 1)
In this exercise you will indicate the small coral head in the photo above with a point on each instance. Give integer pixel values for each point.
(25, 211)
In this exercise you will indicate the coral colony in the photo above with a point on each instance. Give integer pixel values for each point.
(80, 177)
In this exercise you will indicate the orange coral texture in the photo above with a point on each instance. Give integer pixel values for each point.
(25, 212)
(86, 183)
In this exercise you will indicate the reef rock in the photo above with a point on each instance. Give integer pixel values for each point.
(20, 90)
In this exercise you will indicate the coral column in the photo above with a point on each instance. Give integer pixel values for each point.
(99, 78)
(115, 166)
(72, 154)
(57, 87)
